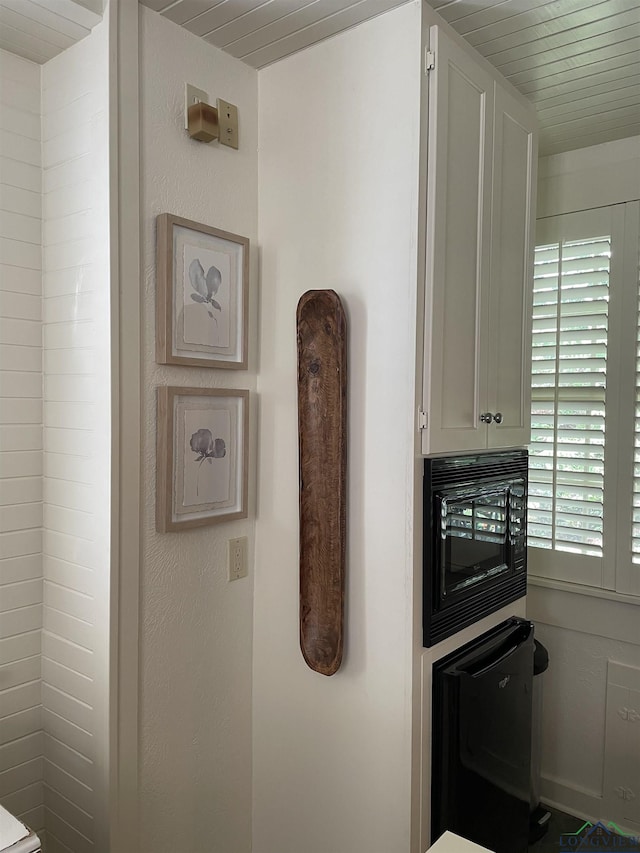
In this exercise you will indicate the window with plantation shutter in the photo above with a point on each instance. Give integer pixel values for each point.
(569, 385)
(584, 457)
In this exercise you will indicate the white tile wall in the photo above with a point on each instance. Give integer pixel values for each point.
(75, 315)
(21, 738)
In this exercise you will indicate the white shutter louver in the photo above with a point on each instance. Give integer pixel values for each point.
(566, 465)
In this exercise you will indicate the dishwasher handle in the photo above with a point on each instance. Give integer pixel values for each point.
(476, 667)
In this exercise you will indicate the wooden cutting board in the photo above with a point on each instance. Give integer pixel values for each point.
(322, 437)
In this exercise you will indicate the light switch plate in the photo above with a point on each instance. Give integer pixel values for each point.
(192, 95)
(228, 123)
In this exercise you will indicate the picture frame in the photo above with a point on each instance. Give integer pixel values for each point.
(202, 295)
(202, 456)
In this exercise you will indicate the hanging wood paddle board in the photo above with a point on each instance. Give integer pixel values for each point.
(322, 437)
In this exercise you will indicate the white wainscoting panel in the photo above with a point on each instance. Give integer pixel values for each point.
(622, 756)
(594, 667)
(76, 439)
(21, 740)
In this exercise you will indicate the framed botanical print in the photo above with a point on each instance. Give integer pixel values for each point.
(202, 295)
(202, 456)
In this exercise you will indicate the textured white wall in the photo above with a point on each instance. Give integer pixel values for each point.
(339, 144)
(196, 628)
(20, 438)
(77, 474)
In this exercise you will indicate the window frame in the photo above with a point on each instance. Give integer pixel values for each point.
(614, 571)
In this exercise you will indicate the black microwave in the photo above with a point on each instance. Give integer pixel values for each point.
(474, 538)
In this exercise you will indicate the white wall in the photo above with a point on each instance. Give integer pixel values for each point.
(339, 144)
(20, 438)
(76, 559)
(589, 177)
(196, 627)
(586, 631)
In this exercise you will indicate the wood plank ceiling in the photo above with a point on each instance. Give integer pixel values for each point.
(262, 31)
(577, 60)
(40, 29)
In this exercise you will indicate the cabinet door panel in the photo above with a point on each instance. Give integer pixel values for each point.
(458, 220)
(511, 272)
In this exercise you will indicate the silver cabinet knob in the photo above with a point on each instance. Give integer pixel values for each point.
(486, 417)
(498, 417)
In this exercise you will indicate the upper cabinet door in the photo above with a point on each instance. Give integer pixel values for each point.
(461, 95)
(509, 342)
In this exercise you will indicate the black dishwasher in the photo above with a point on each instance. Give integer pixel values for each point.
(481, 739)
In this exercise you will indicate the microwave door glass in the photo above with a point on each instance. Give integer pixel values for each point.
(474, 539)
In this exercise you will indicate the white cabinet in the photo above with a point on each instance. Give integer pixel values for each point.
(511, 277)
(480, 197)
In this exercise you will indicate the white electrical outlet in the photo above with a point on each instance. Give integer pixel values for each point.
(238, 558)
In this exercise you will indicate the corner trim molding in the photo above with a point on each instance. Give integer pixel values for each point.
(126, 421)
